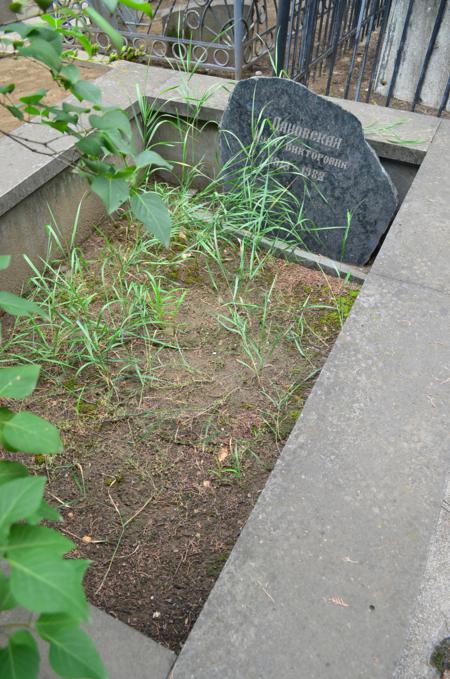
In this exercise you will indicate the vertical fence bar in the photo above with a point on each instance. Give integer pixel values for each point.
(298, 34)
(339, 8)
(399, 53)
(356, 37)
(362, 68)
(307, 42)
(383, 20)
(444, 101)
(238, 37)
(282, 28)
(429, 52)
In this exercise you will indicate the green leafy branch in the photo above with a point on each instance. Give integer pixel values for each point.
(33, 571)
(109, 159)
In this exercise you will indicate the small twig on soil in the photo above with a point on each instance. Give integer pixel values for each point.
(127, 556)
(61, 502)
(77, 537)
(128, 521)
(124, 524)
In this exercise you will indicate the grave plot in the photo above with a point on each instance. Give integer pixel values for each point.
(175, 376)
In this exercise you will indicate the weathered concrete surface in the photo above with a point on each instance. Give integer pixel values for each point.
(419, 30)
(398, 135)
(402, 175)
(23, 229)
(324, 577)
(431, 619)
(417, 247)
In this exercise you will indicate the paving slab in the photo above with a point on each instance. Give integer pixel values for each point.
(401, 135)
(324, 577)
(417, 247)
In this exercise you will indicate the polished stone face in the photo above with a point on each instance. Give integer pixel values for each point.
(345, 201)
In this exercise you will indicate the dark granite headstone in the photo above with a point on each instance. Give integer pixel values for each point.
(348, 199)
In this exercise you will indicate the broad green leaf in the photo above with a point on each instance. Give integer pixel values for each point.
(72, 654)
(112, 120)
(46, 512)
(16, 112)
(144, 7)
(99, 167)
(67, 106)
(45, 584)
(7, 89)
(92, 144)
(113, 192)
(7, 600)
(19, 499)
(31, 110)
(23, 538)
(16, 6)
(106, 27)
(44, 4)
(114, 142)
(84, 41)
(35, 97)
(42, 51)
(70, 73)
(19, 381)
(147, 157)
(58, 125)
(85, 90)
(30, 433)
(5, 415)
(5, 261)
(19, 27)
(17, 306)
(20, 658)
(11, 470)
(152, 212)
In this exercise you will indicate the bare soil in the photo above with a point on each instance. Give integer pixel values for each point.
(29, 76)
(157, 481)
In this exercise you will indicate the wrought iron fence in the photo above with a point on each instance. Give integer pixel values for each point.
(212, 35)
(368, 50)
(361, 49)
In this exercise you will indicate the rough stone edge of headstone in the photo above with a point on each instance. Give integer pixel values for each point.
(327, 103)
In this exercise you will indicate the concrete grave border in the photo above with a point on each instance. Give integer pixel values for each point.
(340, 569)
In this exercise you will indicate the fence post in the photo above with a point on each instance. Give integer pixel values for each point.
(238, 36)
(284, 7)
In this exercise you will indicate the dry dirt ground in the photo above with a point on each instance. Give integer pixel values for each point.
(29, 76)
(158, 479)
